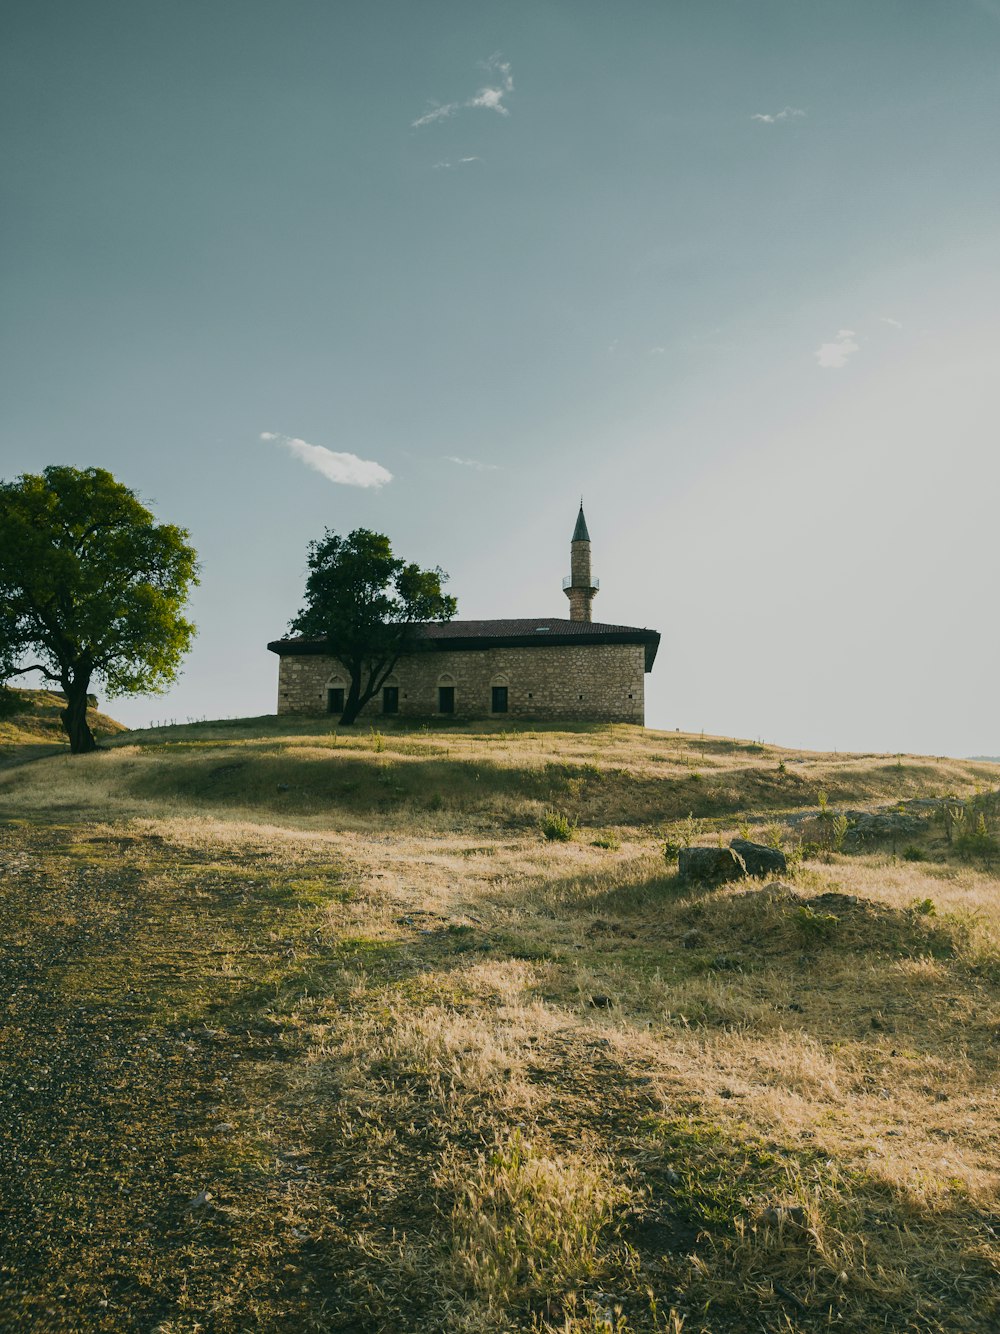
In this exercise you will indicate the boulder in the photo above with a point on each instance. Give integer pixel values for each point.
(759, 859)
(709, 866)
(871, 826)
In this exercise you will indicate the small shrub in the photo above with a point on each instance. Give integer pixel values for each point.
(923, 907)
(782, 767)
(838, 832)
(378, 740)
(954, 821)
(815, 926)
(557, 828)
(609, 841)
(435, 802)
(679, 836)
(976, 842)
(793, 857)
(773, 836)
(911, 853)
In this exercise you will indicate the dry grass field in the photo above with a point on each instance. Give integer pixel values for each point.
(37, 725)
(308, 1031)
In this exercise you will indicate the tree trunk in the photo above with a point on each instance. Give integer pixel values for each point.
(74, 718)
(354, 703)
(357, 697)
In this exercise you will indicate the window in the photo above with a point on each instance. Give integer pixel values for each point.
(499, 699)
(335, 699)
(446, 699)
(390, 699)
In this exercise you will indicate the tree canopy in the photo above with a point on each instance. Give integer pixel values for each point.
(91, 588)
(364, 602)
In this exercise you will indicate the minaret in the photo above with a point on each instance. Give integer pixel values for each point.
(580, 586)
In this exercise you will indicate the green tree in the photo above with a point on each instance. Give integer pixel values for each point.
(91, 588)
(11, 703)
(365, 602)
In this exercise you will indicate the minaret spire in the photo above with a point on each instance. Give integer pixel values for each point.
(580, 587)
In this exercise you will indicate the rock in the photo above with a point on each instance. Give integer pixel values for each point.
(759, 859)
(871, 826)
(715, 866)
(710, 866)
(692, 939)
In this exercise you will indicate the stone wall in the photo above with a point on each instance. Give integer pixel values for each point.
(581, 590)
(584, 682)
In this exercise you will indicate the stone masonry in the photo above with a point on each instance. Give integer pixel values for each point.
(581, 586)
(583, 682)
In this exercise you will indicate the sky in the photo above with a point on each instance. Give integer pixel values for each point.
(728, 270)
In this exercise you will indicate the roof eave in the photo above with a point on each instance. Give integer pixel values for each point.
(650, 639)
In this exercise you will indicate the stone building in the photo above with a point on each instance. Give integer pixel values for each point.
(542, 668)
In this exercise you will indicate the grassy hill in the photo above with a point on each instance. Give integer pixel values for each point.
(320, 1031)
(35, 723)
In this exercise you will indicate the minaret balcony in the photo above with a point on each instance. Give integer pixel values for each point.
(593, 584)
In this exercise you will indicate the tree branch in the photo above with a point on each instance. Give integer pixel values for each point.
(36, 667)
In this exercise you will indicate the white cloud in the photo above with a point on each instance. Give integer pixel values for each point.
(772, 118)
(472, 463)
(490, 98)
(345, 469)
(887, 319)
(437, 113)
(831, 356)
(462, 162)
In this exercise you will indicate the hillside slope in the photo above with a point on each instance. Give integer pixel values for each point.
(314, 1031)
(307, 773)
(36, 724)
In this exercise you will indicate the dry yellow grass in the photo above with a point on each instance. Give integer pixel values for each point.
(534, 1085)
(37, 730)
